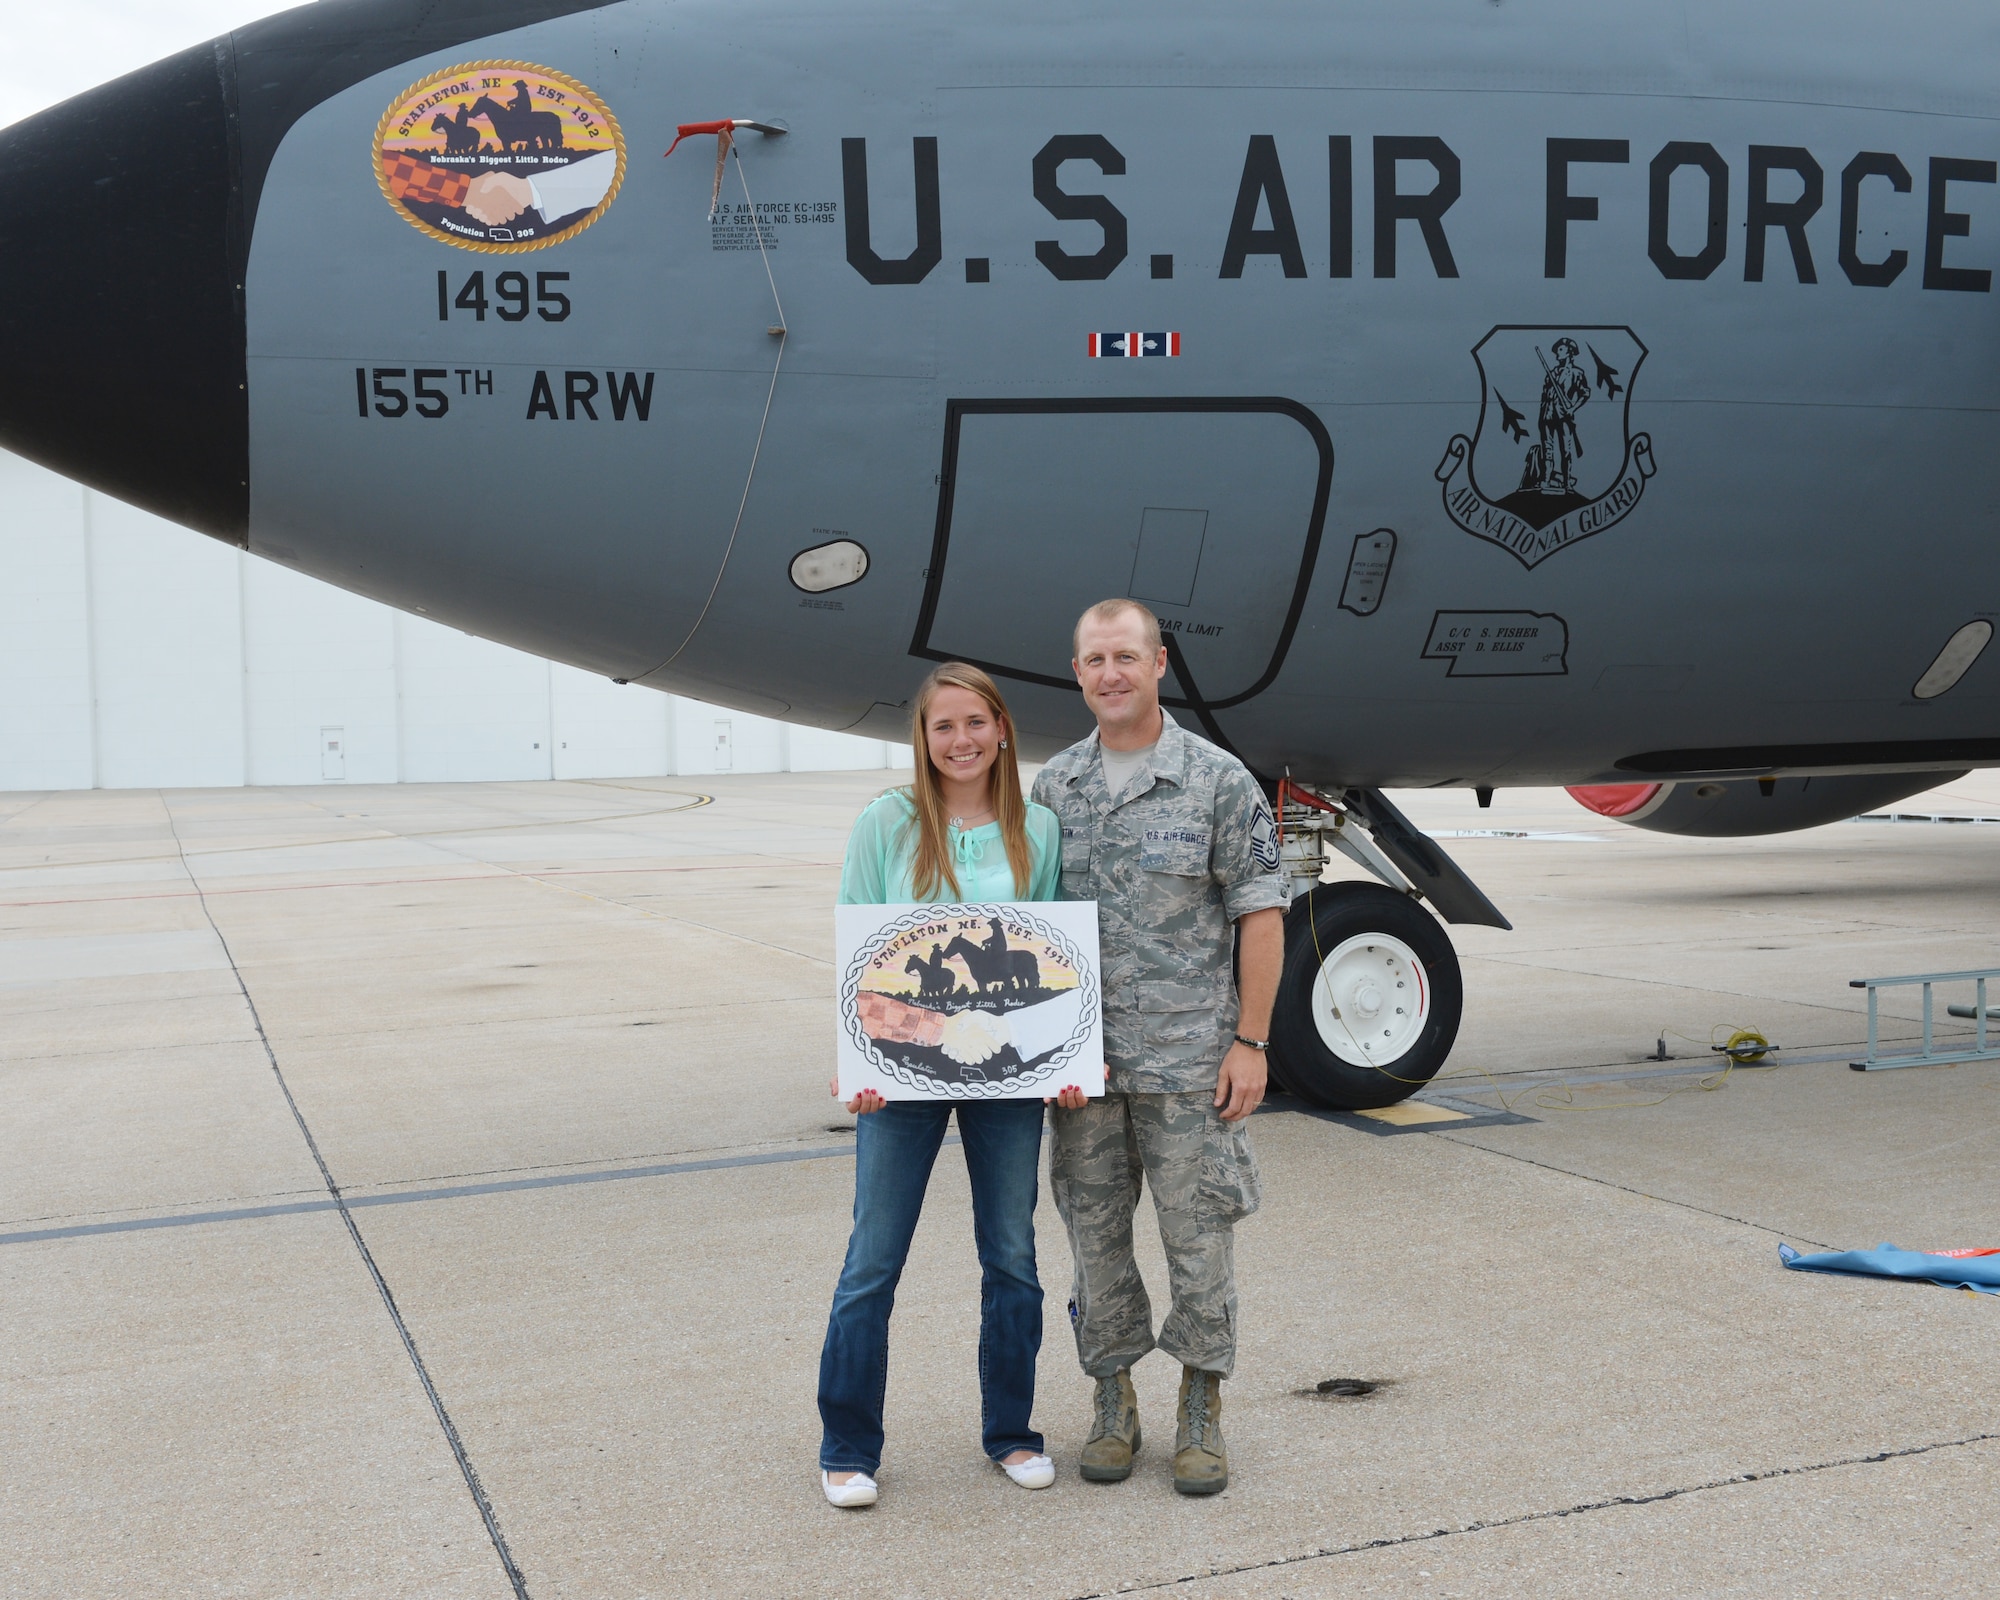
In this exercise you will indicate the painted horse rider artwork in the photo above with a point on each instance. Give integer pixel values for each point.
(935, 977)
(461, 138)
(993, 965)
(967, 999)
(517, 124)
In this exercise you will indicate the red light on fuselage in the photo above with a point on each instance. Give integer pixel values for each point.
(1614, 799)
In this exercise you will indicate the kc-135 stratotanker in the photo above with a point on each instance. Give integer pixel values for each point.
(1482, 392)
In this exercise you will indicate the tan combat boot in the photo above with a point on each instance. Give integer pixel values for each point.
(1114, 1431)
(1201, 1459)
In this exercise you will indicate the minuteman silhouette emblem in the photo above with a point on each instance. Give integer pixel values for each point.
(1554, 458)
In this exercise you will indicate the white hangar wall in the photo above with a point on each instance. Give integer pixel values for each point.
(136, 654)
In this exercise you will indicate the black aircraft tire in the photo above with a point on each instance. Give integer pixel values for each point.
(1317, 928)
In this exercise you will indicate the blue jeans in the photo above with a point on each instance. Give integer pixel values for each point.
(895, 1149)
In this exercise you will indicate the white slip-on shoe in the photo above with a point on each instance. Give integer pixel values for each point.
(1037, 1472)
(859, 1490)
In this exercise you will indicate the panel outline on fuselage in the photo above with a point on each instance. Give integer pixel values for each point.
(955, 410)
(1830, 758)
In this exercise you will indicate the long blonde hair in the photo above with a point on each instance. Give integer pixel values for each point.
(931, 869)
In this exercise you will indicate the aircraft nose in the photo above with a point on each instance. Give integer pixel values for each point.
(121, 322)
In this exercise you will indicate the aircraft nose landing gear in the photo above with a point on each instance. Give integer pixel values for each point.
(1369, 1002)
(1370, 997)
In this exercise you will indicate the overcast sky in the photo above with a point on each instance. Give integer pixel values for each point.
(50, 51)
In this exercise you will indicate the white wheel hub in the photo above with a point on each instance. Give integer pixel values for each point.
(1371, 1000)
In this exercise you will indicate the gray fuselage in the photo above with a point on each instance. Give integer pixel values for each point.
(1542, 391)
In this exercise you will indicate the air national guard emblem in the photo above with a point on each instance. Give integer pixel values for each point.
(1554, 458)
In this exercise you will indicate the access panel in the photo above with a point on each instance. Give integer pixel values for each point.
(1207, 510)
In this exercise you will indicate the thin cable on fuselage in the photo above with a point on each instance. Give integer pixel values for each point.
(784, 334)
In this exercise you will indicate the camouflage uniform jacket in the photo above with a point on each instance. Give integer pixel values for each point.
(1190, 848)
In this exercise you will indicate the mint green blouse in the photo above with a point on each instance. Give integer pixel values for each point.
(882, 848)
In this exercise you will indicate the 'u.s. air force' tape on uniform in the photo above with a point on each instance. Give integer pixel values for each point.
(1264, 840)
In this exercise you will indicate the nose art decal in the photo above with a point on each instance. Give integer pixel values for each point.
(499, 156)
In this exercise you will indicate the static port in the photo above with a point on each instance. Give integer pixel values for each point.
(829, 566)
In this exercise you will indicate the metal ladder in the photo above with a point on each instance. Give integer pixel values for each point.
(1983, 1047)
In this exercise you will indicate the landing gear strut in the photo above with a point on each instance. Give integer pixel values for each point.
(1370, 998)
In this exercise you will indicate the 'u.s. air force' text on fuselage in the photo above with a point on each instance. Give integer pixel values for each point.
(1867, 182)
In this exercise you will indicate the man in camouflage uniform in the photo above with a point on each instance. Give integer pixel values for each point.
(1173, 840)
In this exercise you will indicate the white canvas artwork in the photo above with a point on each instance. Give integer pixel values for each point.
(969, 1002)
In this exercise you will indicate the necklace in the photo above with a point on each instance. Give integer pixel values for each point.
(962, 824)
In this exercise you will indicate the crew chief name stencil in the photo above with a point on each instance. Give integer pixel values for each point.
(1499, 644)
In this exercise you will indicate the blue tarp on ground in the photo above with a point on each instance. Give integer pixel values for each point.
(1980, 1273)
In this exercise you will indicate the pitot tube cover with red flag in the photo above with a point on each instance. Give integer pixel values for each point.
(725, 135)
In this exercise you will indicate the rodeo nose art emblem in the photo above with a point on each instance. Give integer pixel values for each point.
(499, 156)
(970, 1001)
(1554, 458)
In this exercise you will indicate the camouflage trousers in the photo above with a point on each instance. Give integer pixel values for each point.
(1203, 1177)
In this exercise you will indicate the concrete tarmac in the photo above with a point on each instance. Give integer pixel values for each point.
(562, 1049)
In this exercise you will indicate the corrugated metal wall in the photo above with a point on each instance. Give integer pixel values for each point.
(135, 654)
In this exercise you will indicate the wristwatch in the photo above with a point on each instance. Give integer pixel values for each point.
(1254, 1044)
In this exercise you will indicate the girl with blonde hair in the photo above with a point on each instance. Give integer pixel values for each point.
(961, 831)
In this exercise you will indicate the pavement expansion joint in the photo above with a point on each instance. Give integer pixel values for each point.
(644, 911)
(450, 1429)
(1581, 1508)
(153, 1215)
(1449, 1135)
(1691, 1066)
(618, 1165)
(589, 1018)
(1468, 958)
(362, 1197)
(373, 836)
(123, 1053)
